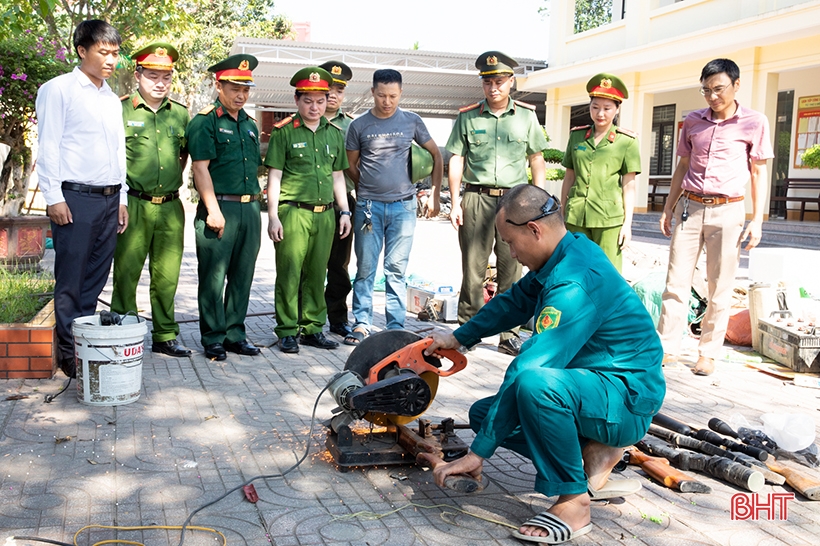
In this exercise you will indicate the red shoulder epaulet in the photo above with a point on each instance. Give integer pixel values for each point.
(470, 107)
(580, 127)
(524, 104)
(124, 98)
(282, 123)
(627, 132)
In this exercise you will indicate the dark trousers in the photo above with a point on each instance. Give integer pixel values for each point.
(83, 251)
(338, 277)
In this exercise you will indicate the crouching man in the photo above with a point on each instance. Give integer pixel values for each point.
(585, 385)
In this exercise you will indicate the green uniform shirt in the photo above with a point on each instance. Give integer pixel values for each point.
(307, 159)
(496, 148)
(342, 120)
(596, 200)
(231, 145)
(586, 316)
(153, 143)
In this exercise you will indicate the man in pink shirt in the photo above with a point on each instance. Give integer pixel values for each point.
(721, 148)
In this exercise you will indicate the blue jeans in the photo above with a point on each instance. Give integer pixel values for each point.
(393, 225)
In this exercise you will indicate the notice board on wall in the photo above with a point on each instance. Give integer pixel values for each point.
(808, 127)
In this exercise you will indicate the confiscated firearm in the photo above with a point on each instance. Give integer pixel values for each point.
(714, 465)
(660, 469)
(708, 436)
(755, 438)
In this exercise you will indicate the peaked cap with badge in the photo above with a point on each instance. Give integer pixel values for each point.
(339, 71)
(607, 86)
(312, 79)
(495, 63)
(236, 69)
(156, 56)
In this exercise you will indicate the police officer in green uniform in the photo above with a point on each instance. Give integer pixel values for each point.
(156, 155)
(491, 142)
(338, 277)
(306, 157)
(586, 384)
(601, 162)
(224, 145)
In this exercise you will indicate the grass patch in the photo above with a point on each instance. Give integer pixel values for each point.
(23, 294)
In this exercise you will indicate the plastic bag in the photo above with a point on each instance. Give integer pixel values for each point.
(739, 330)
(791, 431)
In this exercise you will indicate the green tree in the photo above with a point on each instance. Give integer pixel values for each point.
(589, 14)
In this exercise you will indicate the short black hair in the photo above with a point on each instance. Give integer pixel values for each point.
(716, 66)
(386, 76)
(300, 93)
(525, 201)
(95, 31)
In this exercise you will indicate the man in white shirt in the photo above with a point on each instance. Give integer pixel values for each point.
(81, 168)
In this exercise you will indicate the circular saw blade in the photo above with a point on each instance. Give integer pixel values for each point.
(375, 348)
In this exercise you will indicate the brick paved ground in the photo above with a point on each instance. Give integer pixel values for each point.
(201, 428)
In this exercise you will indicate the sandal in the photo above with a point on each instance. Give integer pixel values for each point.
(557, 530)
(356, 336)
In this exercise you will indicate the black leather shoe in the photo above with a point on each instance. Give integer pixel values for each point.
(343, 329)
(318, 340)
(242, 347)
(170, 348)
(215, 351)
(510, 346)
(69, 367)
(288, 344)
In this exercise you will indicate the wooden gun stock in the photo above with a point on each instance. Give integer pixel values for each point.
(804, 485)
(662, 471)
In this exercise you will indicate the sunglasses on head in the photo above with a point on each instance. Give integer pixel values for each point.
(550, 207)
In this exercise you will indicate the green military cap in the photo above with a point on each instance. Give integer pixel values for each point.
(236, 69)
(607, 86)
(339, 71)
(158, 56)
(312, 79)
(493, 63)
(421, 163)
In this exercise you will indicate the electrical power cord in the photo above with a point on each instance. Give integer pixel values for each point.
(185, 526)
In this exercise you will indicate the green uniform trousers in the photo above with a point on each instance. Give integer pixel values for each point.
(233, 257)
(301, 266)
(607, 239)
(156, 232)
(562, 409)
(477, 238)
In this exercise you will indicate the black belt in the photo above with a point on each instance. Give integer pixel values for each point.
(236, 198)
(86, 188)
(492, 192)
(408, 198)
(155, 199)
(306, 206)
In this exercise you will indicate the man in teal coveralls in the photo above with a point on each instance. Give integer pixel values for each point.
(306, 157)
(586, 384)
(224, 145)
(156, 154)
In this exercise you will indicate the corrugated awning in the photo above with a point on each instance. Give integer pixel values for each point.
(434, 84)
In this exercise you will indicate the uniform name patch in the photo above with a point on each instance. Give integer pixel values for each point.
(300, 144)
(480, 132)
(581, 147)
(548, 319)
(136, 123)
(226, 131)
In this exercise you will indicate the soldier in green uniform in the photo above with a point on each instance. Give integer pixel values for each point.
(156, 154)
(338, 277)
(491, 142)
(306, 157)
(224, 145)
(601, 161)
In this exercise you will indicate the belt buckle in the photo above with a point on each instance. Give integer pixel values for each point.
(245, 199)
(157, 200)
(319, 208)
(708, 201)
(494, 192)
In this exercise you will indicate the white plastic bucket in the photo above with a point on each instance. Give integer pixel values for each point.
(109, 360)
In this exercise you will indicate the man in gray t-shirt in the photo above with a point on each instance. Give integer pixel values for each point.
(378, 150)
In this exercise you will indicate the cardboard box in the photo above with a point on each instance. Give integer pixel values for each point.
(445, 303)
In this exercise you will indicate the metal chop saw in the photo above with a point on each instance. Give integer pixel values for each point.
(389, 382)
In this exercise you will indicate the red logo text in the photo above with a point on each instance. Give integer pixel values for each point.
(754, 507)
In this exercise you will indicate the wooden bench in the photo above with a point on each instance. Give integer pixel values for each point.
(654, 194)
(799, 184)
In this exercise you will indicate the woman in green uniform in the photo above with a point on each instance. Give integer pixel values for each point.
(601, 162)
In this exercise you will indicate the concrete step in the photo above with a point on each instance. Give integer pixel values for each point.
(776, 233)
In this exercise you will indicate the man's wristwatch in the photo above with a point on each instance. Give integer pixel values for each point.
(345, 213)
